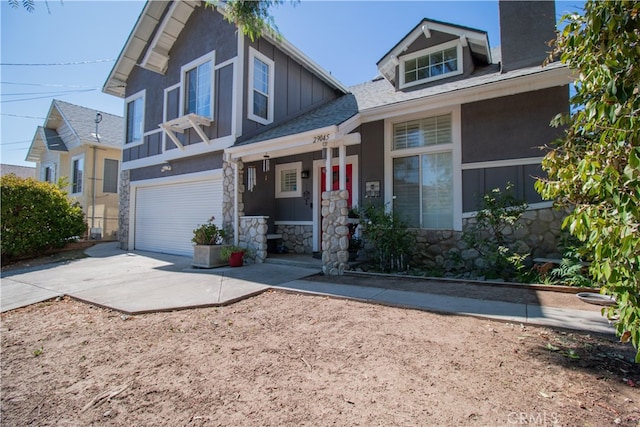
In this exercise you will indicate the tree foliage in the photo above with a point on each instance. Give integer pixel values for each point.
(36, 216)
(253, 17)
(595, 167)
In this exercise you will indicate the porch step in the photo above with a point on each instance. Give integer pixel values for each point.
(304, 261)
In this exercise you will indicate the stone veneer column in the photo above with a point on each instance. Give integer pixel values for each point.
(253, 235)
(228, 189)
(124, 199)
(335, 232)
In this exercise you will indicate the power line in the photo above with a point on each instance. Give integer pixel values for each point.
(20, 116)
(48, 96)
(44, 85)
(97, 61)
(39, 93)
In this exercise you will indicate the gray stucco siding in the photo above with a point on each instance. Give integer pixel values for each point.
(371, 152)
(205, 31)
(202, 163)
(296, 90)
(511, 127)
(477, 182)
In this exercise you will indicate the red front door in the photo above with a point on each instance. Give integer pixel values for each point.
(336, 181)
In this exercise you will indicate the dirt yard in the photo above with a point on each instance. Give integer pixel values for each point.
(286, 359)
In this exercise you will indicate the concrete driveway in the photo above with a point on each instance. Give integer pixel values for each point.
(140, 282)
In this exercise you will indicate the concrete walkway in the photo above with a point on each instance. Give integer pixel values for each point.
(139, 282)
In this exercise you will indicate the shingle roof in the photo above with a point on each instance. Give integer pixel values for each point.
(380, 92)
(82, 120)
(332, 113)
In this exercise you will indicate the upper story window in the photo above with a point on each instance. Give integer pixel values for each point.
(261, 82)
(135, 118)
(77, 172)
(431, 64)
(197, 83)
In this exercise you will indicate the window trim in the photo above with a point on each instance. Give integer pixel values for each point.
(104, 175)
(52, 167)
(428, 51)
(141, 94)
(253, 54)
(288, 194)
(211, 56)
(72, 170)
(456, 155)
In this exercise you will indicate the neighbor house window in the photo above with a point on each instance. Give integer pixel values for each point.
(288, 180)
(261, 82)
(49, 174)
(110, 181)
(135, 118)
(423, 172)
(77, 172)
(431, 64)
(198, 87)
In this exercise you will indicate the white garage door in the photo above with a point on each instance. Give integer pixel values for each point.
(167, 214)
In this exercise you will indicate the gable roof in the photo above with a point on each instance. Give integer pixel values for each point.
(158, 28)
(81, 122)
(380, 93)
(477, 40)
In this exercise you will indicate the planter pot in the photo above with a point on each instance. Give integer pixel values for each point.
(207, 256)
(236, 259)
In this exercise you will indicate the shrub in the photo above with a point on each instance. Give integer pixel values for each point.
(390, 240)
(208, 234)
(36, 216)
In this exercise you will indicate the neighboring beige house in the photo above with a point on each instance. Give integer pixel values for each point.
(84, 146)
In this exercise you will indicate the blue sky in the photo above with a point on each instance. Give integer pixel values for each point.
(347, 38)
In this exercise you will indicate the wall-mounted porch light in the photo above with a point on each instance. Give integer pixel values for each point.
(166, 167)
(304, 174)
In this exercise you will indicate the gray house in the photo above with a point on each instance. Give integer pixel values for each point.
(245, 132)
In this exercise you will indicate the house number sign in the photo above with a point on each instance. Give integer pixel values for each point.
(322, 138)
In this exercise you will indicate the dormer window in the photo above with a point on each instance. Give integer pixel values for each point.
(431, 64)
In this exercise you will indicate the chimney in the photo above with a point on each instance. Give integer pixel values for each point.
(526, 27)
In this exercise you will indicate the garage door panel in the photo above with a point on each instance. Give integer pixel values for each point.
(166, 215)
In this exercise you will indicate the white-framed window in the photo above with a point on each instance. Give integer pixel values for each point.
(110, 176)
(261, 86)
(135, 118)
(49, 173)
(77, 174)
(431, 64)
(197, 86)
(288, 180)
(423, 172)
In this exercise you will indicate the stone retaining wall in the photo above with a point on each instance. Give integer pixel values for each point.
(253, 236)
(297, 238)
(539, 235)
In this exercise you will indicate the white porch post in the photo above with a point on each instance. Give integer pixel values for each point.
(328, 177)
(342, 150)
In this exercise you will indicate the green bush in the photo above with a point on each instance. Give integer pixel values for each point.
(36, 217)
(390, 242)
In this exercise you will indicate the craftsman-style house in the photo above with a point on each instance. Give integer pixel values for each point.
(83, 146)
(245, 132)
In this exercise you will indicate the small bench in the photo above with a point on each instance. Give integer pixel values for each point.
(272, 242)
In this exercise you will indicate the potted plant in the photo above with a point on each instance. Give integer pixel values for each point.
(208, 239)
(233, 254)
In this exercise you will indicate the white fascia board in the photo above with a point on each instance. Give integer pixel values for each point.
(176, 154)
(283, 143)
(350, 124)
(510, 86)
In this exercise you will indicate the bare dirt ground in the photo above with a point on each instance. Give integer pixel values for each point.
(287, 359)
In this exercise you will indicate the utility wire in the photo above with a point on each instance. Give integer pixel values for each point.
(97, 61)
(44, 85)
(48, 96)
(40, 93)
(21, 116)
